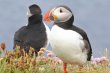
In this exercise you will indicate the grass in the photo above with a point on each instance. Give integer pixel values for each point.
(14, 62)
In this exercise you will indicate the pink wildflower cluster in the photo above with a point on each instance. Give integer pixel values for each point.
(55, 59)
(99, 60)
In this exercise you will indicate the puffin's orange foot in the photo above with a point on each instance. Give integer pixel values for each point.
(64, 66)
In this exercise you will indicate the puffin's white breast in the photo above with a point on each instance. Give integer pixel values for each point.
(68, 45)
(47, 33)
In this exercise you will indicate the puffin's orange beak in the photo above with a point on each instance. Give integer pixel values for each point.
(47, 16)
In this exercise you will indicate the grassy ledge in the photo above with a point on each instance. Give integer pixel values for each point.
(14, 62)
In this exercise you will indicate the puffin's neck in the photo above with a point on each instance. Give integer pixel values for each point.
(65, 25)
(37, 18)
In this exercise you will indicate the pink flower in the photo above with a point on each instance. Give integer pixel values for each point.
(98, 60)
(50, 54)
(57, 60)
(103, 58)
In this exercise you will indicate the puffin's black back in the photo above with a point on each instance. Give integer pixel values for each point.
(34, 34)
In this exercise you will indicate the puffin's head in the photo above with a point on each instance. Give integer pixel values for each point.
(58, 14)
(33, 9)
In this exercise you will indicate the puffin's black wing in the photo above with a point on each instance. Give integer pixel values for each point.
(31, 36)
(86, 41)
(20, 38)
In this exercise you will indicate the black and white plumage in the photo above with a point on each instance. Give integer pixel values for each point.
(69, 42)
(35, 34)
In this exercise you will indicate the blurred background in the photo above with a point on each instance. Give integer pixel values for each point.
(91, 15)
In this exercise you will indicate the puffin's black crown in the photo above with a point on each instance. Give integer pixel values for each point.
(35, 9)
(65, 7)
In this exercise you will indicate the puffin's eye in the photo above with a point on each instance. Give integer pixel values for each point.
(61, 10)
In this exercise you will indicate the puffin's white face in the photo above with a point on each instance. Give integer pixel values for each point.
(29, 13)
(61, 14)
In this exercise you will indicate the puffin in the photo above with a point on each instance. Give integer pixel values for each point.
(69, 42)
(35, 33)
